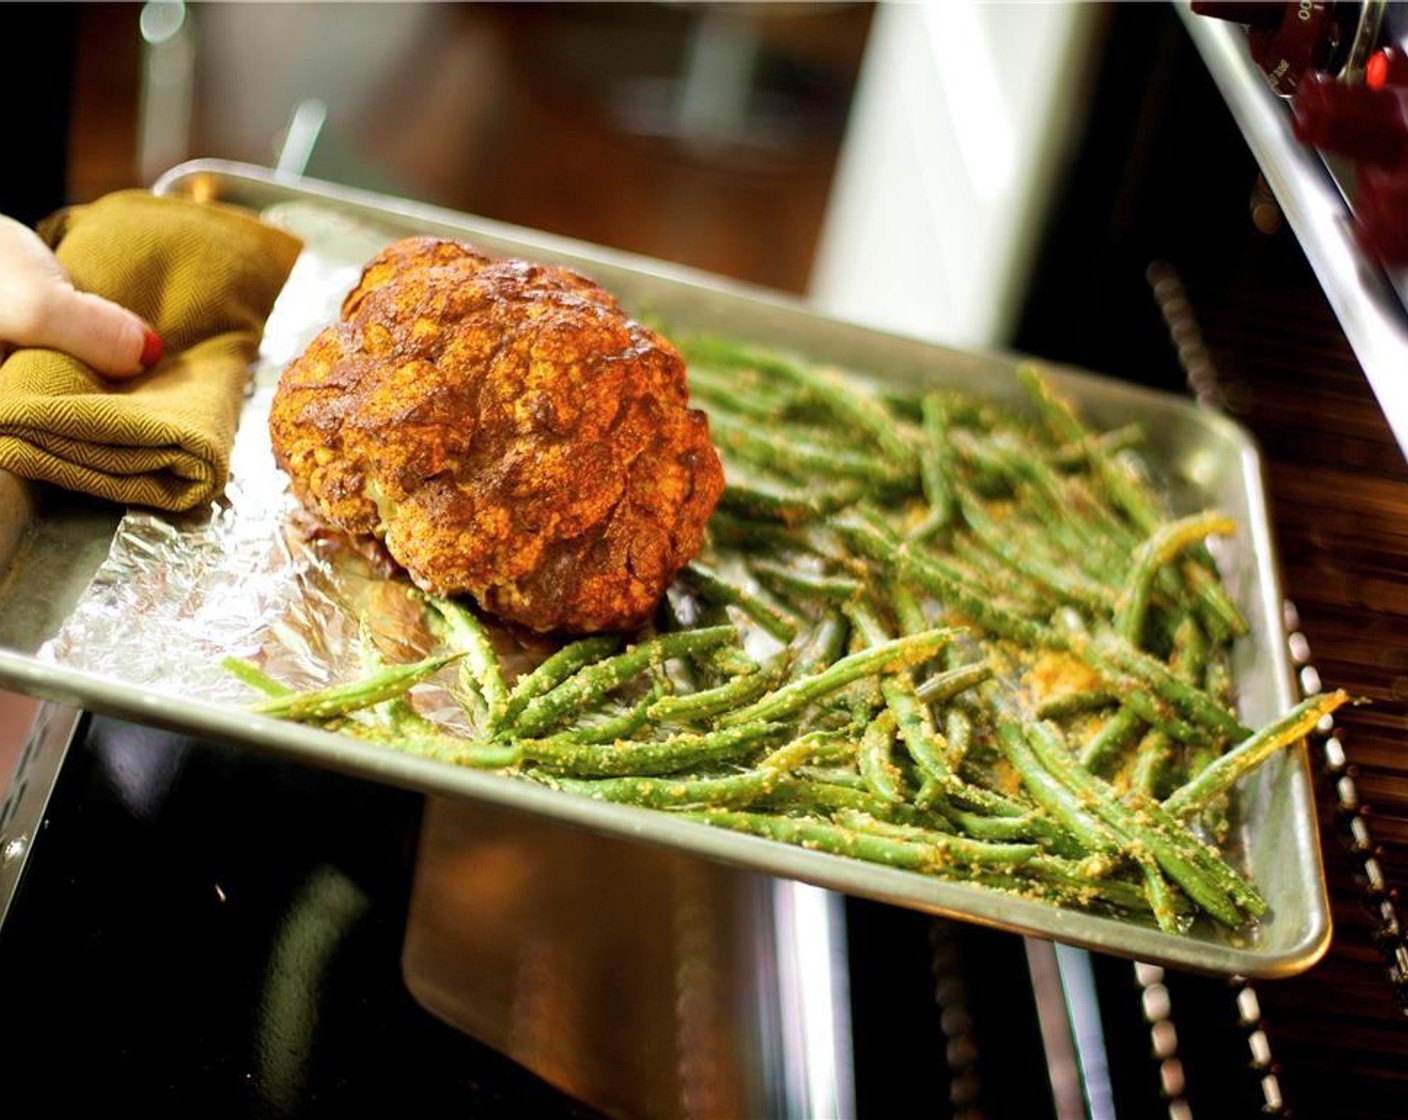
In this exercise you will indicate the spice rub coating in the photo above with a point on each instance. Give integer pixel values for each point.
(506, 431)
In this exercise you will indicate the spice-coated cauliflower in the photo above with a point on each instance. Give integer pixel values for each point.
(506, 432)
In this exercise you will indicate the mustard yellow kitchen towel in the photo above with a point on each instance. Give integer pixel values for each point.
(205, 276)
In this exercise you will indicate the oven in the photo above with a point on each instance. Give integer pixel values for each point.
(190, 927)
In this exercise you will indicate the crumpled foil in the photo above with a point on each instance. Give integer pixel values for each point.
(245, 578)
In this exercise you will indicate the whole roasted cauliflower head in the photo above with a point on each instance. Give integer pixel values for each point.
(507, 432)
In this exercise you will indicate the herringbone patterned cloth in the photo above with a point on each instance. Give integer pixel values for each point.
(205, 276)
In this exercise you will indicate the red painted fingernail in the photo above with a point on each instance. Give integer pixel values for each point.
(151, 349)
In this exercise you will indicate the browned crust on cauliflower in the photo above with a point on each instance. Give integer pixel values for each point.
(507, 432)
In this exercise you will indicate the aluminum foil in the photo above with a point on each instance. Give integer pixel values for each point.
(249, 577)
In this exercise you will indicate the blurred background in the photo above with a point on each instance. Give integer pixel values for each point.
(895, 161)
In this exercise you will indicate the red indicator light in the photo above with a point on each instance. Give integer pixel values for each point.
(1376, 70)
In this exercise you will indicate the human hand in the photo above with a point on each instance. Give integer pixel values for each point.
(40, 307)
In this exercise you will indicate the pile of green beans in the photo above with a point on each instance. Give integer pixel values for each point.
(932, 633)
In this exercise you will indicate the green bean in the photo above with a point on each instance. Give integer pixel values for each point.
(935, 468)
(1159, 714)
(798, 454)
(719, 391)
(823, 647)
(939, 797)
(697, 706)
(1152, 759)
(254, 676)
(1050, 879)
(1054, 797)
(772, 502)
(1123, 438)
(729, 660)
(1077, 702)
(958, 733)
(733, 791)
(1166, 542)
(591, 682)
(1018, 554)
(943, 687)
(1158, 894)
(1201, 873)
(979, 851)
(931, 857)
(1126, 489)
(1215, 606)
(799, 584)
(480, 667)
(403, 721)
(340, 699)
(1113, 736)
(729, 530)
(564, 754)
(1123, 488)
(1080, 526)
(904, 604)
(817, 797)
(850, 408)
(1029, 826)
(1252, 752)
(557, 668)
(792, 698)
(877, 766)
(480, 754)
(714, 588)
(1189, 658)
(1108, 649)
(813, 747)
(620, 725)
(912, 718)
(1153, 855)
(941, 581)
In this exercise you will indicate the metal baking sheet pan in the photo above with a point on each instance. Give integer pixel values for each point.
(1206, 460)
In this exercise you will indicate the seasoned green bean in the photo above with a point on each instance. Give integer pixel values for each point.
(1116, 733)
(850, 408)
(935, 468)
(340, 699)
(1206, 878)
(792, 698)
(557, 668)
(1048, 792)
(713, 587)
(734, 791)
(1109, 649)
(254, 676)
(1222, 774)
(943, 687)
(591, 682)
(799, 584)
(798, 454)
(566, 754)
(1166, 542)
(698, 706)
(481, 754)
(931, 856)
(876, 761)
(623, 724)
(789, 505)
(480, 670)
